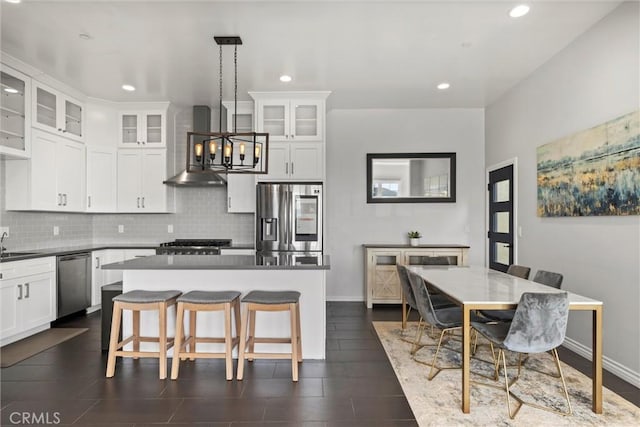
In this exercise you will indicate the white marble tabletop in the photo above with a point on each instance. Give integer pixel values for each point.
(480, 285)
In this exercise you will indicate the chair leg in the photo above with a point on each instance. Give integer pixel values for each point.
(236, 317)
(162, 339)
(419, 332)
(241, 349)
(252, 333)
(177, 346)
(435, 357)
(192, 332)
(299, 332)
(228, 341)
(564, 384)
(294, 342)
(113, 342)
(136, 331)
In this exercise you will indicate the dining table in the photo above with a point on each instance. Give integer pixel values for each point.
(480, 288)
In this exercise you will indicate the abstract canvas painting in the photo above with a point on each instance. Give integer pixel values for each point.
(593, 172)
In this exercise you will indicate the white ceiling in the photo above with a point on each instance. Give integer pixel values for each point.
(375, 54)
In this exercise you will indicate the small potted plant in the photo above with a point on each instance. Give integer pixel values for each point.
(414, 237)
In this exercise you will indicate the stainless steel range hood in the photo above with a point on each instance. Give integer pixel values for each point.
(205, 178)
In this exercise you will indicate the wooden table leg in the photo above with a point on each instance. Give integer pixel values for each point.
(597, 361)
(466, 357)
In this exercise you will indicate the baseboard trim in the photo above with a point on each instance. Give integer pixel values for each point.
(345, 299)
(609, 364)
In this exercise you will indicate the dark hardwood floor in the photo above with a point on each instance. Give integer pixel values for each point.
(354, 386)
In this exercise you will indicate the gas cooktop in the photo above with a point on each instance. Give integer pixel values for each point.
(193, 247)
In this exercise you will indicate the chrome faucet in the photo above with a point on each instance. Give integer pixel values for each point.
(2, 248)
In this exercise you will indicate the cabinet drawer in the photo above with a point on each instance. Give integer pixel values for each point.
(14, 269)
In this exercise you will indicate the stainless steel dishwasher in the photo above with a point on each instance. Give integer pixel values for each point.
(74, 283)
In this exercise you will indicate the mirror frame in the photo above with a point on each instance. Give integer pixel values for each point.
(452, 173)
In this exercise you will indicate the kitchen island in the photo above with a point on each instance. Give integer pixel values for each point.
(303, 273)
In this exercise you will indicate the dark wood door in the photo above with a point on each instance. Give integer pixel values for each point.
(500, 234)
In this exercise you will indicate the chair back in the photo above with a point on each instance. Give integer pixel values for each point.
(519, 271)
(548, 278)
(539, 323)
(406, 286)
(423, 302)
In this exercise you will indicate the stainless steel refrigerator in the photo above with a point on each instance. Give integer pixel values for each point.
(289, 217)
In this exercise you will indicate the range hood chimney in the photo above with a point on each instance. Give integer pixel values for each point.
(206, 178)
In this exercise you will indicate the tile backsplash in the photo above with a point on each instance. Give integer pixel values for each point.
(201, 212)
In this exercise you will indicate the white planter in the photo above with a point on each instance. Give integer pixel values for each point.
(414, 241)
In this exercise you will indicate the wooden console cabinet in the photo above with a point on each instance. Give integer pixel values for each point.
(381, 276)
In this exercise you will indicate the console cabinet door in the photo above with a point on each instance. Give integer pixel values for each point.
(384, 283)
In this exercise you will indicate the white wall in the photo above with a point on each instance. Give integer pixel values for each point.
(351, 134)
(595, 79)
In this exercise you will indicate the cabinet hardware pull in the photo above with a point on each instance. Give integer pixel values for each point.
(97, 262)
(20, 290)
(286, 168)
(64, 131)
(65, 199)
(59, 199)
(229, 202)
(26, 295)
(138, 202)
(59, 129)
(89, 201)
(143, 202)
(291, 168)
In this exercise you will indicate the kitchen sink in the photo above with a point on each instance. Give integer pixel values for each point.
(12, 254)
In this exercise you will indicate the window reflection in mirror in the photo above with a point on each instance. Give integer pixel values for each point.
(411, 177)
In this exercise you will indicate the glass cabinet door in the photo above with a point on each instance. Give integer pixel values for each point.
(129, 129)
(153, 127)
(73, 118)
(306, 124)
(386, 284)
(275, 120)
(13, 107)
(46, 108)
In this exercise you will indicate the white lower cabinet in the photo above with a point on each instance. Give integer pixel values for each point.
(28, 299)
(141, 173)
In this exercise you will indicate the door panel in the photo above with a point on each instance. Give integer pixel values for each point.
(501, 233)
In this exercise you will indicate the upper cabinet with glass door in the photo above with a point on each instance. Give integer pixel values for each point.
(140, 129)
(291, 116)
(53, 111)
(15, 125)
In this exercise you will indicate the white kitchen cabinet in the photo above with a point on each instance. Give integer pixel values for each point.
(295, 161)
(98, 259)
(53, 179)
(241, 188)
(101, 179)
(140, 129)
(241, 193)
(296, 119)
(28, 298)
(53, 111)
(15, 110)
(141, 173)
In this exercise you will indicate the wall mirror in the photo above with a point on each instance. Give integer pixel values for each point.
(411, 178)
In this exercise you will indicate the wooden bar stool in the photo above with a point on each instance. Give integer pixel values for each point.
(195, 301)
(270, 301)
(138, 301)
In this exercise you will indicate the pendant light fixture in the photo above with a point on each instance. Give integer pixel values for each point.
(230, 151)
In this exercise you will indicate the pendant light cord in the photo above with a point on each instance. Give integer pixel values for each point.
(220, 83)
(235, 89)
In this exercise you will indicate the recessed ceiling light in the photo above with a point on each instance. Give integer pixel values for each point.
(443, 86)
(13, 1)
(285, 79)
(128, 88)
(519, 11)
(84, 36)
(10, 90)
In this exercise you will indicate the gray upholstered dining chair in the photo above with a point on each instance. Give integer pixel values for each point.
(548, 278)
(438, 301)
(539, 325)
(447, 319)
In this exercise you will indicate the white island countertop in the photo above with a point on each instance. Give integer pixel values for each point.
(225, 262)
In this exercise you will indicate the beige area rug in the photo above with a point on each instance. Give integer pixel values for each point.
(25, 348)
(437, 402)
